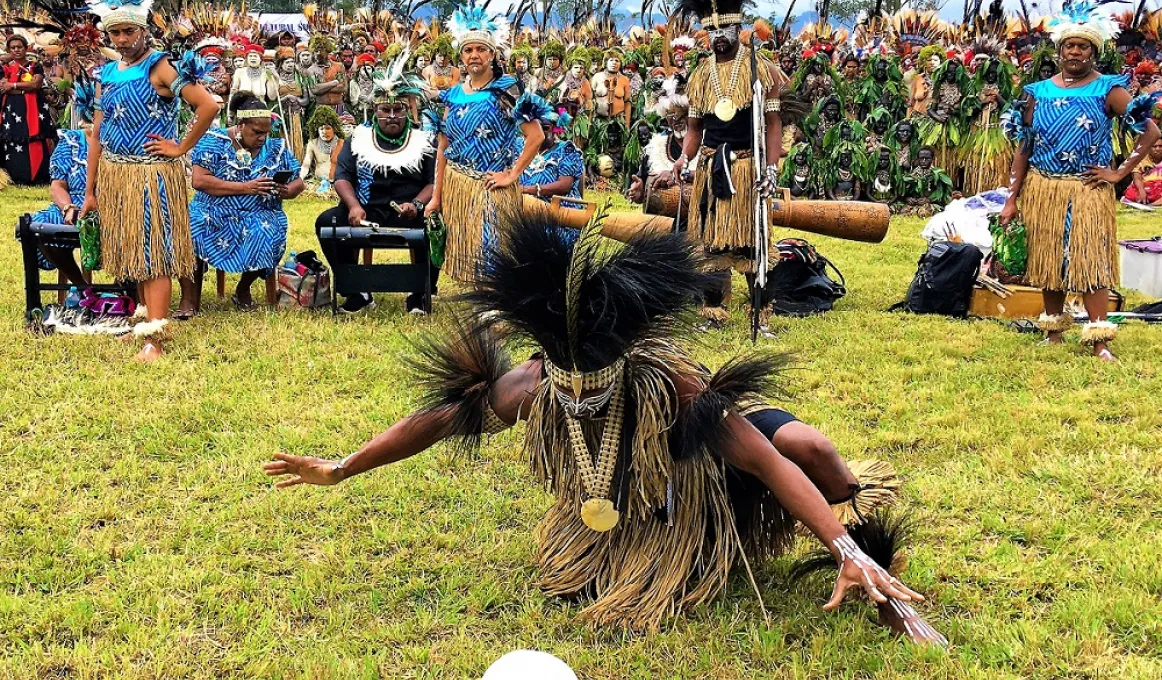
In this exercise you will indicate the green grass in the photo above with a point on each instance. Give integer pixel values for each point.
(140, 538)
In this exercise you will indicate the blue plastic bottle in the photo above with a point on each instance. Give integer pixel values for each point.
(290, 260)
(73, 299)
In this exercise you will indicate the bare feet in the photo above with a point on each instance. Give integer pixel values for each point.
(904, 620)
(150, 352)
(1054, 338)
(1101, 351)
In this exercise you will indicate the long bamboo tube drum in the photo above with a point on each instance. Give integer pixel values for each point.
(851, 220)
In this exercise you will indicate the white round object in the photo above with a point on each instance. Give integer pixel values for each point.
(527, 664)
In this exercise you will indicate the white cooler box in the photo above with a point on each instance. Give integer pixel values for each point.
(1142, 265)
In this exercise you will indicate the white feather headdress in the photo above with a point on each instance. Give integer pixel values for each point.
(121, 12)
(472, 24)
(1083, 19)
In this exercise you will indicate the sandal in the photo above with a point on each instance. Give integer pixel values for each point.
(184, 314)
(242, 306)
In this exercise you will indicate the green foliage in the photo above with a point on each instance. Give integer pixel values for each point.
(140, 539)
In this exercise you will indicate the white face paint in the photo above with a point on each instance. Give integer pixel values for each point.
(305, 59)
(348, 129)
(421, 63)
(288, 66)
(577, 70)
(239, 62)
(612, 65)
(934, 62)
(522, 65)
(254, 60)
(326, 133)
(213, 61)
(679, 59)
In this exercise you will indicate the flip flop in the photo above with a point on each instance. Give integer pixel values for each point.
(184, 315)
(240, 306)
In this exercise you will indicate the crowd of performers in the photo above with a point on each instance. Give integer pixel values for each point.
(668, 475)
(904, 110)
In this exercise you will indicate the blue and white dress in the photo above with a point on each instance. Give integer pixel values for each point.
(142, 199)
(67, 164)
(563, 160)
(241, 233)
(1071, 228)
(483, 128)
(484, 136)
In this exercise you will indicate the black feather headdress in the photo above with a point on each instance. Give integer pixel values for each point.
(587, 301)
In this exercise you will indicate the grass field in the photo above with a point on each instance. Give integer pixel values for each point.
(140, 538)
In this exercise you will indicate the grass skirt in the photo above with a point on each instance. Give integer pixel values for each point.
(145, 218)
(646, 568)
(1072, 233)
(294, 135)
(474, 216)
(725, 224)
(987, 160)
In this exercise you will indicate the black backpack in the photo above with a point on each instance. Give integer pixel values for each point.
(944, 280)
(799, 285)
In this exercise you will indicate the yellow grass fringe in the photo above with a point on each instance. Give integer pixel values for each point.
(1054, 323)
(1098, 332)
(879, 486)
(466, 206)
(644, 569)
(1093, 241)
(294, 135)
(987, 174)
(726, 224)
(715, 314)
(123, 189)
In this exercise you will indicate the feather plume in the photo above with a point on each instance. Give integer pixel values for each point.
(637, 291)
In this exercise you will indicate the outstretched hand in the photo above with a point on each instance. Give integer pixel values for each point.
(892, 597)
(303, 470)
(859, 571)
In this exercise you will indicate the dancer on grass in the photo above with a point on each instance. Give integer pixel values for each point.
(667, 476)
(136, 178)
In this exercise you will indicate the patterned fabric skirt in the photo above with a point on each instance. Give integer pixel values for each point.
(233, 240)
(50, 215)
(1072, 232)
(145, 218)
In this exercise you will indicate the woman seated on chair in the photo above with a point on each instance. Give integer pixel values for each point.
(558, 168)
(236, 217)
(67, 170)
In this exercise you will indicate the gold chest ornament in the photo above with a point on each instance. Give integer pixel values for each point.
(725, 110)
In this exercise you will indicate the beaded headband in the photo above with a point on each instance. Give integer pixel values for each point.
(717, 20)
(254, 113)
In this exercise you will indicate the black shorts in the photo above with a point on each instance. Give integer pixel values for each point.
(769, 420)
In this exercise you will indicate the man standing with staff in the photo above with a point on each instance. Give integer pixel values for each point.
(720, 130)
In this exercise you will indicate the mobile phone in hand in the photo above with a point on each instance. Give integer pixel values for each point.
(283, 177)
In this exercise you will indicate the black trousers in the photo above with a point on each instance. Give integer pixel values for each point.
(339, 254)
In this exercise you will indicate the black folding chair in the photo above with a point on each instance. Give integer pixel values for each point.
(31, 235)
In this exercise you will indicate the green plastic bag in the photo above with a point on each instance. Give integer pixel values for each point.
(89, 227)
(1010, 246)
(437, 239)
